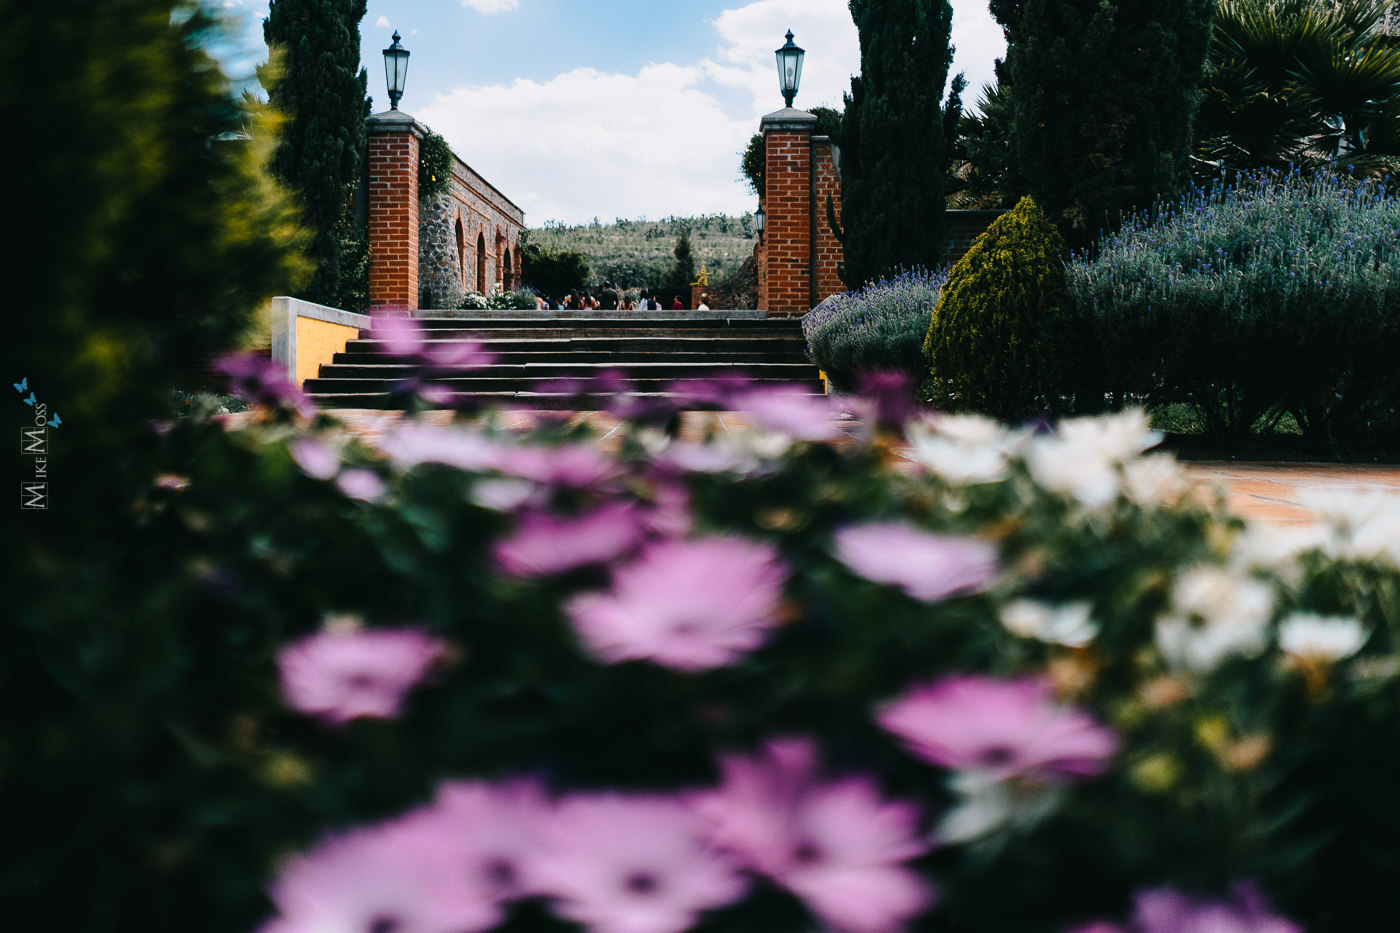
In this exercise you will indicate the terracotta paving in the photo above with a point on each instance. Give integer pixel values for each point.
(1270, 492)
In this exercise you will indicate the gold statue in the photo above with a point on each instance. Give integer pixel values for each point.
(704, 278)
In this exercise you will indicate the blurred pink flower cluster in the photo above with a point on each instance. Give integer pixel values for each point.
(619, 863)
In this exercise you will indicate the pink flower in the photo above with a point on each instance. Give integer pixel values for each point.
(401, 336)
(411, 444)
(837, 845)
(401, 876)
(262, 381)
(340, 676)
(1002, 729)
(788, 410)
(361, 484)
(929, 567)
(1164, 910)
(496, 829)
(544, 544)
(316, 459)
(568, 466)
(636, 864)
(689, 605)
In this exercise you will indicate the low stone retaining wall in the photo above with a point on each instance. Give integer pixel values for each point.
(306, 335)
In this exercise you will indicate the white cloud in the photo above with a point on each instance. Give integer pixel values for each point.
(492, 7)
(662, 141)
(383, 23)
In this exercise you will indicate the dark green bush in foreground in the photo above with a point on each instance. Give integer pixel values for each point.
(1278, 294)
(879, 328)
(1001, 341)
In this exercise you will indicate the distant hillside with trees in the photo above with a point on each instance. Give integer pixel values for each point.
(642, 253)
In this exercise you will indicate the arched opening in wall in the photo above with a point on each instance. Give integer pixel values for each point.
(461, 251)
(481, 262)
(508, 277)
(519, 268)
(500, 260)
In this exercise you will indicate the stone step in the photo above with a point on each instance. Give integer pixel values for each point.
(610, 323)
(566, 367)
(563, 346)
(520, 399)
(332, 384)
(365, 365)
(630, 333)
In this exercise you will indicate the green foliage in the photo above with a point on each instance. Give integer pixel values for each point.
(879, 328)
(979, 177)
(435, 160)
(894, 151)
(1296, 82)
(752, 162)
(1001, 339)
(639, 253)
(554, 273)
(1104, 94)
(683, 272)
(1277, 294)
(318, 83)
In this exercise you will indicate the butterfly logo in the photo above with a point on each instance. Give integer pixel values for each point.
(31, 400)
(22, 386)
(55, 421)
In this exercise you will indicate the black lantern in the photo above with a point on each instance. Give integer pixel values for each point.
(395, 70)
(789, 69)
(760, 220)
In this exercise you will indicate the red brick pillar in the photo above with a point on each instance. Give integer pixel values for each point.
(786, 262)
(394, 139)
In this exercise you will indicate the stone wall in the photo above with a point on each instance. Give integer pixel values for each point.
(441, 283)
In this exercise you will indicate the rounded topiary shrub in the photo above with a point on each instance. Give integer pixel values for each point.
(999, 342)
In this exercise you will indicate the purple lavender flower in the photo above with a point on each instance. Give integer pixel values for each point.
(544, 544)
(1000, 729)
(690, 605)
(836, 844)
(928, 567)
(262, 381)
(338, 676)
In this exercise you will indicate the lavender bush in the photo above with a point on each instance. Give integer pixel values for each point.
(880, 327)
(1275, 294)
(460, 678)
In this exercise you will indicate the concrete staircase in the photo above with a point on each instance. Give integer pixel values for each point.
(535, 353)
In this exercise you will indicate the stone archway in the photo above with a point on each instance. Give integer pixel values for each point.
(461, 249)
(481, 261)
(508, 274)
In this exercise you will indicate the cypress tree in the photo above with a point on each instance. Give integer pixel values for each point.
(893, 139)
(683, 272)
(322, 88)
(1104, 96)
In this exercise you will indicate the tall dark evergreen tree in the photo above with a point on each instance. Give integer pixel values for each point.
(322, 89)
(1104, 96)
(683, 272)
(893, 141)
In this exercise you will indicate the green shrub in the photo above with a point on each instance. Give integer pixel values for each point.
(877, 328)
(1000, 339)
(1277, 294)
(434, 165)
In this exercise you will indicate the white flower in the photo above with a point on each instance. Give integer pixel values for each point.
(1320, 638)
(1069, 624)
(1150, 480)
(964, 450)
(1364, 524)
(1083, 457)
(1274, 547)
(1117, 438)
(1217, 614)
(987, 805)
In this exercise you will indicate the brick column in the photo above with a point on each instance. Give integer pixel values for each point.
(785, 279)
(394, 139)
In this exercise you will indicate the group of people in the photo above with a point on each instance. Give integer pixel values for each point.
(610, 298)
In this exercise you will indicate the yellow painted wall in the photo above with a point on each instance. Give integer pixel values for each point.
(317, 343)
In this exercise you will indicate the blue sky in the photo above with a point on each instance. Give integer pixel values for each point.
(613, 108)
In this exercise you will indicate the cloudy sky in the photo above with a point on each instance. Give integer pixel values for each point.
(614, 108)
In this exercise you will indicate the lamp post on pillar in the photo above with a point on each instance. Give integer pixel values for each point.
(394, 144)
(789, 221)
